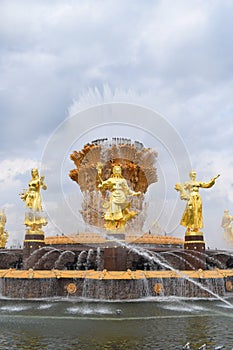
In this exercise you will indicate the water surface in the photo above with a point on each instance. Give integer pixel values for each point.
(159, 324)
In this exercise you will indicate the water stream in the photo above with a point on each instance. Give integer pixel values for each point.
(155, 257)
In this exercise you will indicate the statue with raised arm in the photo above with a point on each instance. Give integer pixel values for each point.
(117, 208)
(3, 233)
(189, 191)
(32, 198)
(227, 225)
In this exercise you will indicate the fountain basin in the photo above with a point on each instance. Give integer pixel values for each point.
(115, 285)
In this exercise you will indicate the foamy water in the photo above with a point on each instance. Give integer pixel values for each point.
(90, 310)
(14, 308)
(44, 306)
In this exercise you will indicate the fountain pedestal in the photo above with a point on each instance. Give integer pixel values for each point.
(195, 246)
(115, 258)
(34, 239)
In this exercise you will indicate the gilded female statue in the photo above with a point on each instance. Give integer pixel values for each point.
(2, 222)
(32, 198)
(227, 225)
(192, 216)
(117, 213)
(3, 234)
(32, 195)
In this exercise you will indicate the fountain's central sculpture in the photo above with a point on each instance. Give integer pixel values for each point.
(113, 176)
(118, 208)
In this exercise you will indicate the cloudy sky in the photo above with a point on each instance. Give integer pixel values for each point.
(174, 57)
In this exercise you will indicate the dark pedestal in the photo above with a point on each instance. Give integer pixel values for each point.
(33, 240)
(194, 246)
(115, 258)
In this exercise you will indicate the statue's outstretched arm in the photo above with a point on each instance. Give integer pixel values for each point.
(128, 190)
(133, 193)
(43, 185)
(183, 189)
(210, 183)
(23, 195)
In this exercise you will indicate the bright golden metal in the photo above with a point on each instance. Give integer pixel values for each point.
(158, 288)
(3, 233)
(117, 213)
(229, 286)
(87, 238)
(33, 217)
(71, 288)
(114, 275)
(189, 191)
(34, 240)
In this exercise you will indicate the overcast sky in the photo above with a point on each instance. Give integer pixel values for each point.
(174, 57)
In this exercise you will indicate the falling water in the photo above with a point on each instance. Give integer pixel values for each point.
(90, 259)
(181, 259)
(206, 256)
(81, 260)
(156, 258)
(99, 260)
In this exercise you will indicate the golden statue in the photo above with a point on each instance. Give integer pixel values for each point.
(117, 213)
(3, 234)
(227, 225)
(189, 191)
(32, 198)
